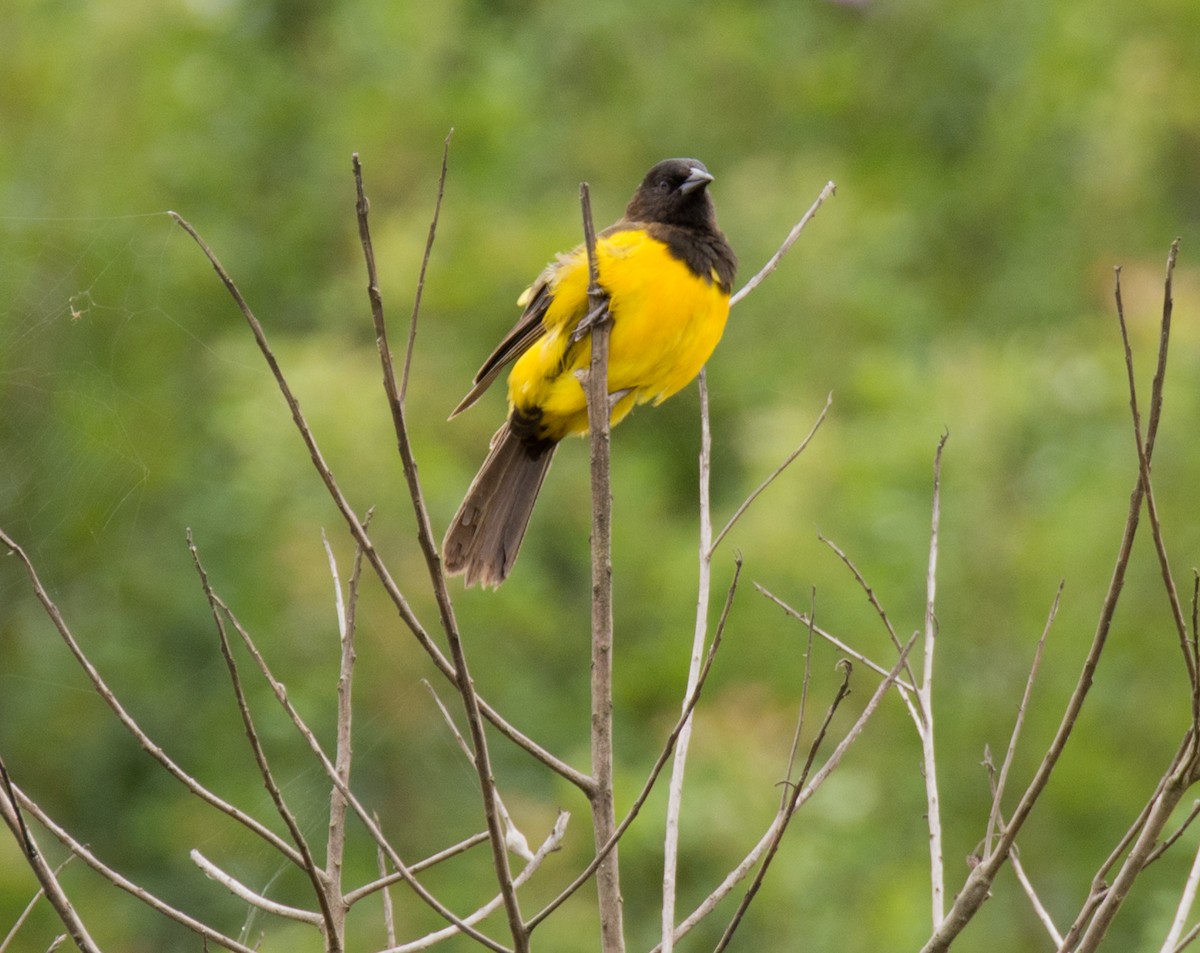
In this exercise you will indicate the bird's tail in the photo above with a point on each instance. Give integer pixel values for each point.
(487, 530)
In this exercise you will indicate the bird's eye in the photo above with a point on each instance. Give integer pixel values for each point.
(664, 186)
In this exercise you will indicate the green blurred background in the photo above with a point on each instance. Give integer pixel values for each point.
(993, 163)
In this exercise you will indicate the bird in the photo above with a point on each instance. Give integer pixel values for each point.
(667, 270)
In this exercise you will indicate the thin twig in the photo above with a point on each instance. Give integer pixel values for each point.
(335, 848)
(29, 908)
(386, 880)
(472, 705)
(385, 895)
(1183, 771)
(1195, 629)
(707, 547)
(255, 899)
(1169, 842)
(998, 793)
(1100, 880)
(1039, 908)
(829, 190)
(1148, 488)
(416, 309)
(513, 838)
(873, 599)
(1168, 797)
(933, 814)
(832, 639)
(1188, 939)
(773, 476)
(803, 707)
(368, 821)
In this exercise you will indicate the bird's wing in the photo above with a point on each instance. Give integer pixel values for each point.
(524, 333)
(530, 327)
(536, 300)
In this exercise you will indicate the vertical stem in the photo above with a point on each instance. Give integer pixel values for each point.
(335, 850)
(675, 796)
(925, 693)
(608, 881)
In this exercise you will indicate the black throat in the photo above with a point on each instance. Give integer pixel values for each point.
(704, 250)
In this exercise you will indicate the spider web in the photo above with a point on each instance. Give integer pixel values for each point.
(79, 298)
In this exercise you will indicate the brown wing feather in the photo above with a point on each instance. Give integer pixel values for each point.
(528, 328)
(524, 333)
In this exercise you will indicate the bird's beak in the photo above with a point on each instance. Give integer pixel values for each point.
(698, 179)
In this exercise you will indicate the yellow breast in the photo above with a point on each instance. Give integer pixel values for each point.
(666, 323)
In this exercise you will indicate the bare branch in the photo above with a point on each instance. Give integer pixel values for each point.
(242, 892)
(998, 793)
(416, 310)
(1188, 939)
(1160, 548)
(335, 849)
(774, 475)
(1170, 841)
(386, 880)
(1167, 798)
(513, 838)
(472, 704)
(385, 895)
(829, 190)
(368, 821)
(1100, 881)
(1039, 908)
(875, 604)
(803, 707)
(833, 640)
(29, 907)
(933, 814)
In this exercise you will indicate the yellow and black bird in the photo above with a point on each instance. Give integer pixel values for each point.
(667, 270)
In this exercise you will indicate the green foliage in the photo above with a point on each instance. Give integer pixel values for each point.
(993, 164)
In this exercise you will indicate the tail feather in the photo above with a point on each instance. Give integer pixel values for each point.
(485, 534)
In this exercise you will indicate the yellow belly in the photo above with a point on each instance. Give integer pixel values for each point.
(666, 323)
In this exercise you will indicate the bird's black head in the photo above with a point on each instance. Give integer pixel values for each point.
(674, 192)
